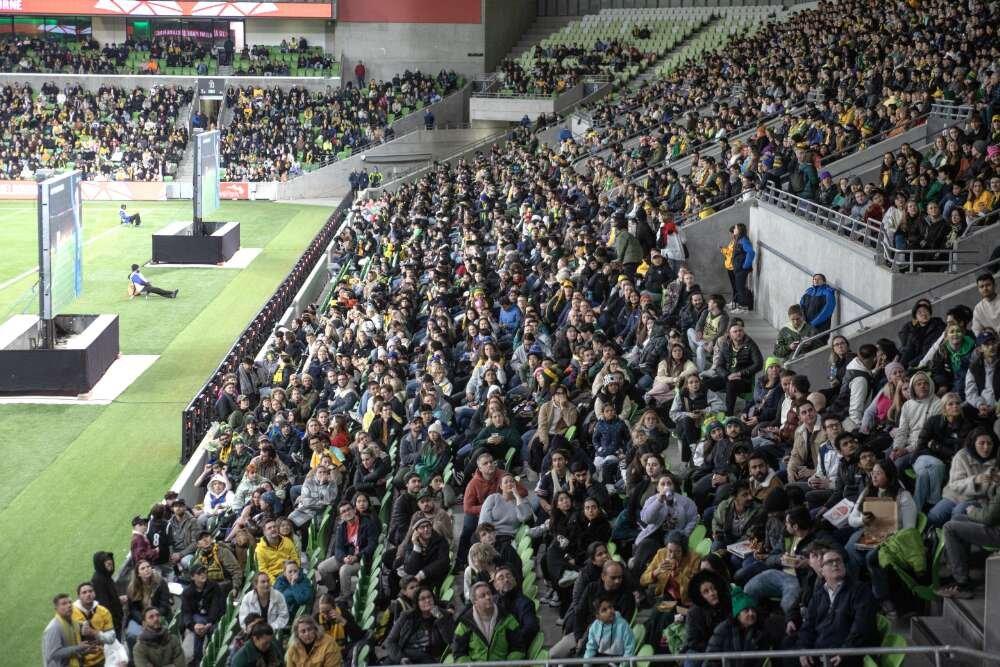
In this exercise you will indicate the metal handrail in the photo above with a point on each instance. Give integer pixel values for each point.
(818, 214)
(937, 653)
(871, 141)
(928, 291)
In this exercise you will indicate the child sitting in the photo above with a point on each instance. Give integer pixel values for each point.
(482, 562)
(610, 438)
(610, 634)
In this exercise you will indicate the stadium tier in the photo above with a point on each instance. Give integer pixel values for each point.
(688, 354)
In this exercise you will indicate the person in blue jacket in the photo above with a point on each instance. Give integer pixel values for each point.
(818, 303)
(743, 257)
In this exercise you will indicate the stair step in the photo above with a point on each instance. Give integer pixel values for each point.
(937, 631)
(967, 617)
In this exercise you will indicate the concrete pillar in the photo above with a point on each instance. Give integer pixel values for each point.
(991, 619)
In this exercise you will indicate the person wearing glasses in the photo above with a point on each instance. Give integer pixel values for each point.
(841, 614)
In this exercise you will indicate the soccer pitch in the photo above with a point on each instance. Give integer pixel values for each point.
(77, 474)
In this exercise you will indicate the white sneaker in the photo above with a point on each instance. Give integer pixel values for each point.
(569, 576)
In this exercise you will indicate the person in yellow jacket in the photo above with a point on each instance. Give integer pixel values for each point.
(273, 550)
(88, 613)
(310, 647)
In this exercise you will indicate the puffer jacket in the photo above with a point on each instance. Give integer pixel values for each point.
(729, 637)
(470, 645)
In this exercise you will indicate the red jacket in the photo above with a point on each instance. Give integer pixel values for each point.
(142, 549)
(359, 69)
(477, 491)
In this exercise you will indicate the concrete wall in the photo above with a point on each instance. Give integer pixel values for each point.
(272, 31)
(789, 251)
(815, 363)
(513, 109)
(389, 48)
(422, 145)
(703, 238)
(505, 21)
(93, 82)
(452, 111)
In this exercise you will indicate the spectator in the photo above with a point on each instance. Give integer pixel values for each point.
(273, 550)
(986, 314)
(743, 631)
(819, 303)
(609, 634)
(484, 632)
(156, 647)
(262, 649)
(295, 588)
(264, 600)
(202, 605)
(310, 646)
(841, 616)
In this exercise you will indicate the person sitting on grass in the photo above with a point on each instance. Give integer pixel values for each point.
(609, 634)
(135, 220)
(137, 284)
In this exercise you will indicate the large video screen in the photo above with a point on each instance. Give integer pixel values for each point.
(206, 174)
(60, 243)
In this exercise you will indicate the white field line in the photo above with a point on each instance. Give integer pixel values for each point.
(21, 276)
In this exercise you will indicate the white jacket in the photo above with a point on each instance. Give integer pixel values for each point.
(277, 611)
(914, 414)
(859, 396)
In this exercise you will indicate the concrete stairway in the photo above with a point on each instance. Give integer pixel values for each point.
(539, 30)
(962, 624)
(185, 170)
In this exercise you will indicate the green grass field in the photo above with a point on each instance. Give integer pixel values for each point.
(77, 474)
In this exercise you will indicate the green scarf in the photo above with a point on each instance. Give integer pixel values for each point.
(955, 356)
(71, 636)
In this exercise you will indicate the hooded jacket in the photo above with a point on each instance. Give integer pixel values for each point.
(818, 304)
(477, 491)
(470, 645)
(614, 638)
(702, 619)
(105, 589)
(789, 335)
(914, 414)
(158, 649)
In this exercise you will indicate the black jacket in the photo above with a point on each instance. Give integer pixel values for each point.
(522, 609)
(942, 438)
(367, 539)
(209, 602)
(730, 637)
(433, 560)
(747, 361)
(105, 589)
(848, 622)
(916, 340)
(402, 641)
(402, 511)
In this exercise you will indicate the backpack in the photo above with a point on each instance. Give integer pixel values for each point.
(797, 181)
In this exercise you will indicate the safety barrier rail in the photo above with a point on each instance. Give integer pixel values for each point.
(197, 417)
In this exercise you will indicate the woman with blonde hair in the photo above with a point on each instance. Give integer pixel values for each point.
(311, 647)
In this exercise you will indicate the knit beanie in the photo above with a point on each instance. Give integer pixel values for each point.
(743, 601)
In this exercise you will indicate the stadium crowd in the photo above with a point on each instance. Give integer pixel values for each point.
(532, 343)
(560, 67)
(110, 134)
(275, 131)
